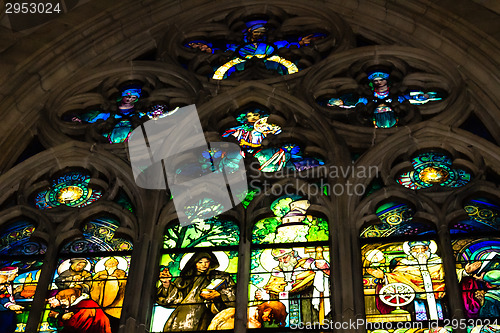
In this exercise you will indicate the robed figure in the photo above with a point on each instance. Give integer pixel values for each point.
(198, 294)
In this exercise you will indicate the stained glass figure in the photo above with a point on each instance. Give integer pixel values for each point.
(483, 217)
(291, 281)
(255, 45)
(253, 129)
(121, 122)
(403, 281)
(21, 260)
(88, 287)
(396, 220)
(288, 156)
(433, 169)
(478, 272)
(197, 290)
(71, 189)
(382, 102)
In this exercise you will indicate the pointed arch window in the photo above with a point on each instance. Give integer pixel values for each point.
(88, 287)
(197, 278)
(21, 261)
(290, 266)
(476, 246)
(403, 275)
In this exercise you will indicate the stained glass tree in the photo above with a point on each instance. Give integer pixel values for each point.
(21, 260)
(88, 287)
(197, 278)
(290, 265)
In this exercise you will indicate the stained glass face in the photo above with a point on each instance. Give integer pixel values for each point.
(288, 156)
(381, 101)
(71, 189)
(88, 287)
(403, 281)
(483, 217)
(433, 169)
(21, 261)
(478, 272)
(255, 47)
(396, 220)
(292, 282)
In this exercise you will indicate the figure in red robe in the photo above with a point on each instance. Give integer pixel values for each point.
(80, 314)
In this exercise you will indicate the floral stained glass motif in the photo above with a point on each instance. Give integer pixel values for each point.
(382, 101)
(120, 123)
(98, 236)
(196, 289)
(433, 169)
(255, 45)
(88, 287)
(484, 216)
(478, 272)
(403, 281)
(21, 260)
(396, 220)
(71, 189)
(291, 281)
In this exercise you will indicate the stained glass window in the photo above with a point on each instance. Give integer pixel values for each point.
(88, 287)
(483, 217)
(396, 219)
(290, 266)
(196, 289)
(253, 129)
(71, 189)
(403, 281)
(255, 47)
(478, 259)
(433, 169)
(478, 272)
(382, 104)
(21, 260)
(116, 124)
